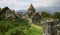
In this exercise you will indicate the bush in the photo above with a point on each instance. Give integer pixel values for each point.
(15, 32)
(15, 27)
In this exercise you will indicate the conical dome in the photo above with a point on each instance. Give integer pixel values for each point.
(31, 8)
(4, 9)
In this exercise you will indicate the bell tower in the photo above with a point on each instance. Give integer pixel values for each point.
(31, 10)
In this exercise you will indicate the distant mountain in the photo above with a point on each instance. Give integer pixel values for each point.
(50, 10)
(21, 11)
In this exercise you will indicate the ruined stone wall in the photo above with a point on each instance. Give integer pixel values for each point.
(51, 27)
(9, 14)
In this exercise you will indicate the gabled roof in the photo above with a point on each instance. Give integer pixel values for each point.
(31, 8)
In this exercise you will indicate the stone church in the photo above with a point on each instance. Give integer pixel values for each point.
(32, 15)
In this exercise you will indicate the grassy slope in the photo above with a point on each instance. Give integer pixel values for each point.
(35, 30)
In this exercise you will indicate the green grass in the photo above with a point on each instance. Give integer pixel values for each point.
(35, 30)
(1, 33)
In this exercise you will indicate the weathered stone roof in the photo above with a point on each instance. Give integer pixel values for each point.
(31, 8)
(5, 9)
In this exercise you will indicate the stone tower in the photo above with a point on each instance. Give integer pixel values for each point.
(31, 10)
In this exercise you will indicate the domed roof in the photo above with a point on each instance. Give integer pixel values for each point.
(31, 8)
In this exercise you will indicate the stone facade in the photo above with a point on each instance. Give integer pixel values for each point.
(18, 15)
(10, 14)
(7, 13)
(30, 11)
(36, 17)
(32, 15)
(50, 27)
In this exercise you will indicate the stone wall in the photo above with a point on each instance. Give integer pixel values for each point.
(50, 27)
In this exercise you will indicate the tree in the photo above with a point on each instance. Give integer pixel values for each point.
(7, 26)
(57, 15)
(45, 15)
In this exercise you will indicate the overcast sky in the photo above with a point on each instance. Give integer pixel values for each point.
(24, 4)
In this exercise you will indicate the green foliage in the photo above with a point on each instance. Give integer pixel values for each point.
(10, 26)
(45, 15)
(34, 30)
(15, 31)
(17, 26)
(57, 15)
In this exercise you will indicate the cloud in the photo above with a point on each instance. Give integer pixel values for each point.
(47, 2)
(24, 4)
